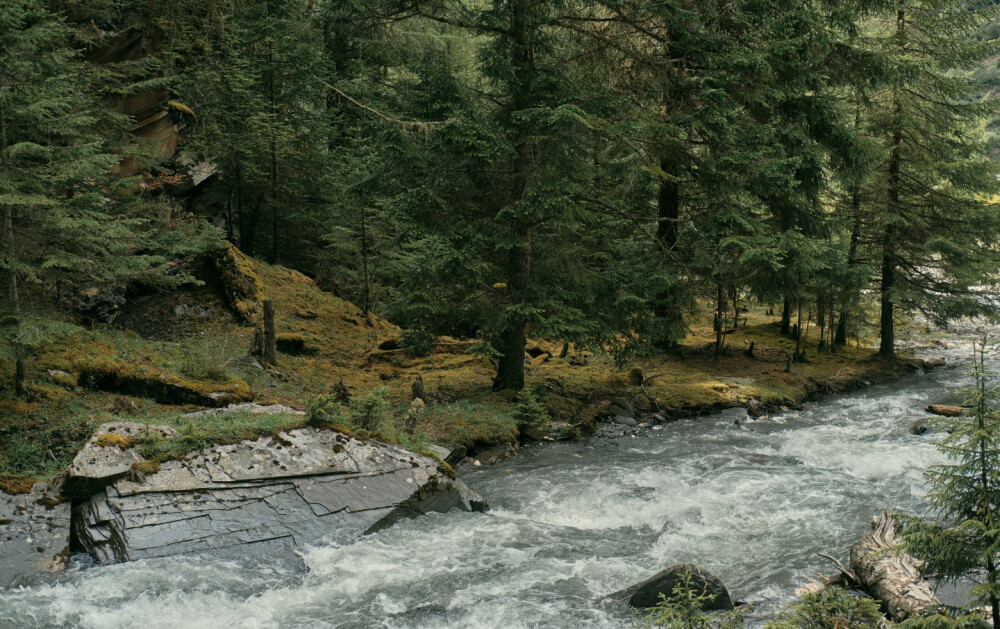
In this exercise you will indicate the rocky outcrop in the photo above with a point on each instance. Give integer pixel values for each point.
(647, 594)
(249, 408)
(279, 492)
(108, 456)
(34, 535)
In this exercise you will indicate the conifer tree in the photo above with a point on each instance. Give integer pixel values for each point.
(965, 494)
(70, 221)
(935, 226)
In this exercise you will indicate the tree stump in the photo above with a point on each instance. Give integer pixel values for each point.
(891, 575)
(270, 354)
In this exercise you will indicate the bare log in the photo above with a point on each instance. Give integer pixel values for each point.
(945, 410)
(890, 574)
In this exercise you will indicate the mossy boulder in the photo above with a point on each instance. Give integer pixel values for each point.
(293, 344)
(241, 284)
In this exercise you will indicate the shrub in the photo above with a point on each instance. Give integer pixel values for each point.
(529, 411)
(830, 608)
(417, 343)
(366, 414)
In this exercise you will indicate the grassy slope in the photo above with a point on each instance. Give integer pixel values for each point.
(39, 437)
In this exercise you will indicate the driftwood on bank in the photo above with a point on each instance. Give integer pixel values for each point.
(946, 410)
(890, 575)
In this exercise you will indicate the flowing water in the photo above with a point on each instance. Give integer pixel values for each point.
(570, 523)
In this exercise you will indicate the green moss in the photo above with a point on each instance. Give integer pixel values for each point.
(241, 283)
(442, 466)
(112, 440)
(14, 485)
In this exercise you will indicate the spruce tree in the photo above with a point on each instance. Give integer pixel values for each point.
(965, 494)
(934, 223)
(71, 221)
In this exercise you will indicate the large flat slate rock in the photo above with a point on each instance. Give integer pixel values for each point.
(286, 491)
(107, 457)
(34, 535)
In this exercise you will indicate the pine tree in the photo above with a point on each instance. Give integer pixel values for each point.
(933, 218)
(70, 220)
(965, 494)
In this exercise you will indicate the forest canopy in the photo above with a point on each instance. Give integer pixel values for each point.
(582, 172)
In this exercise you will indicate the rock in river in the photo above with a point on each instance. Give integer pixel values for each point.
(647, 594)
(270, 494)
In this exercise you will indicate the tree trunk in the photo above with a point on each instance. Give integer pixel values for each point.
(887, 335)
(20, 378)
(720, 322)
(513, 337)
(510, 370)
(270, 355)
(852, 260)
(668, 204)
(365, 288)
(272, 95)
(786, 317)
(891, 577)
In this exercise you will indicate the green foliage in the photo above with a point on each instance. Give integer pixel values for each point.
(964, 542)
(368, 414)
(418, 343)
(830, 608)
(940, 621)
(530, 412)
(684, 609)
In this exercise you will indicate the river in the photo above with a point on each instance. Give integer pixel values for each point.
(570, 522)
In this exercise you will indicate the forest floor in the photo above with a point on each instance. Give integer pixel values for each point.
(191, 338)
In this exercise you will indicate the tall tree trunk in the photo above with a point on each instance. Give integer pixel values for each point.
(786, 316)
(513, 337)
(365, 288)
(668, 204)
(275, 253)
(852, 261)
(887, 335)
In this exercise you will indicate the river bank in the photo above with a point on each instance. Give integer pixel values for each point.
(169, 350)
(570, 522)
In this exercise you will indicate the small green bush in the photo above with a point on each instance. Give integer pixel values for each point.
(830, 608)
(417, 343)
(529, 411)
(366, 414)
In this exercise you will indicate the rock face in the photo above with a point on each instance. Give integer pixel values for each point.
(647, 594)
(107, 457)
(34, 535)
(276, 492)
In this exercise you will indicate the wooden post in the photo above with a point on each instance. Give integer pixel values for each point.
(270, 350)
(20, 378)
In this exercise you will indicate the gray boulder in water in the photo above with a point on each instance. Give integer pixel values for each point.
(262, 496)
(34, 535)
(647, 594)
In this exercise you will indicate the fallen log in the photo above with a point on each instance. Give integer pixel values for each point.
(889, 574)
(946, 410)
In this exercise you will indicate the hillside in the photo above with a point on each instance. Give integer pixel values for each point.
(169, 353)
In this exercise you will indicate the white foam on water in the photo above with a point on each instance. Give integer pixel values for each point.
(570, 524)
